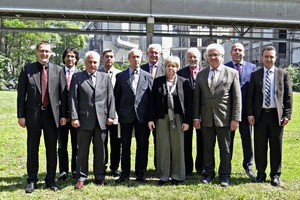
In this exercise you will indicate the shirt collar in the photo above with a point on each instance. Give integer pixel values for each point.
(72, 69)
(271, 70)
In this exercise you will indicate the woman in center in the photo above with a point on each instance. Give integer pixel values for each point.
(170, 114)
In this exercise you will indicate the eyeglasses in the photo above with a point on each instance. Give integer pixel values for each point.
(213, 55)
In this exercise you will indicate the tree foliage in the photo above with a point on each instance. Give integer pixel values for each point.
(18, 47)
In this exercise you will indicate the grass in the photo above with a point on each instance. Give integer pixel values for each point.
(13, 170)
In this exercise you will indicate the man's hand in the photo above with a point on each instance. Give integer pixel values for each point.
(251, 120)
(196, 124)
(185, 127)
(63, 121)
(151, 125)
(284, 121)
(75, 123)
(109, 121)
(22, 122)
(234, 125)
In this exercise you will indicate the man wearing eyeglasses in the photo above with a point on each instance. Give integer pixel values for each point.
(217, 111)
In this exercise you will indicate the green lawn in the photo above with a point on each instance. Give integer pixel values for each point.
(13, 170)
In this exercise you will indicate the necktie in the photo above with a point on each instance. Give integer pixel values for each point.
(68, 78)
(238, 68)
(134, 80)
(44, 84)
(153, 71)
(212, 81)
(267, 89)
(92, 80)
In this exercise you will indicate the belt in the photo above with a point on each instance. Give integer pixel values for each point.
(269, 109)
(44, 107)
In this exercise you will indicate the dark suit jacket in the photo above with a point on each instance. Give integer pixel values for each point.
(159, 93)
(91, 104)
(128, 105)
(29, 99)
(248, 68)
(283, 94)
(224, 105)
(159, 72)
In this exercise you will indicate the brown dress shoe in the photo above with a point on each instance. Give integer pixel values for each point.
(79, 185)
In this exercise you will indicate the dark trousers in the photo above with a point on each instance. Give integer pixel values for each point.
(209, 141)
(50, 131)
(246, 136)
(115, 147)
(84, 138)
(63, 148)
(142, 145)
(267, 131)
(188, 150)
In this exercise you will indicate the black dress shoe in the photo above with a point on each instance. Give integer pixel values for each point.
(175, 182)
(141, 180)
(275, 181)
(250, 174)
(30, 187)
(225, 182)
(63, 176)
(207, 180)
(115, 173)
(122, 179)
(161, 182)
(260, 179)
(101, 182)
(52, 186)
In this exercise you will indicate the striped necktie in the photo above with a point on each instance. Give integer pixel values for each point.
(268, 89)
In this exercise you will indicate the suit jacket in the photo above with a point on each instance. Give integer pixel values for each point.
(248, 68)
(128, 105)
(283, 94)
(91, 104)
(159, 93)
(160, 71)
(29, 98)
(221, 107)
(114, 71)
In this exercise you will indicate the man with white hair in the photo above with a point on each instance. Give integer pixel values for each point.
(92, 107)
(190, 73)
(217, 111)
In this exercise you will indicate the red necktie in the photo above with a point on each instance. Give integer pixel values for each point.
(44, 84)
(68, 78)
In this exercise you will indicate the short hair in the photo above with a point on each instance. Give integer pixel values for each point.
(107, 51)
(172, 60)
(154, 46)
(216, 46)
(237, 44)
(133, 50)
(194, 50)
(92, 53)
(268, 48)
(41, 43)
(68, 50)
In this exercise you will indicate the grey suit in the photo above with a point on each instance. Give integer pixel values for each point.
(91, 105)
(216, 111)
(132, 111)
(29, 107)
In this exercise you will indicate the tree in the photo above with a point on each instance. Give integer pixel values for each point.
(19, 47)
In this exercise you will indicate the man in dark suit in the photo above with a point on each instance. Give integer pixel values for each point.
(132, 92)
(244, 69)
(70, 58)
(41, 105)
(156, 70)
(190, 73)
(92, 106)
(217, 104)
(269, 109)
(108, 58)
